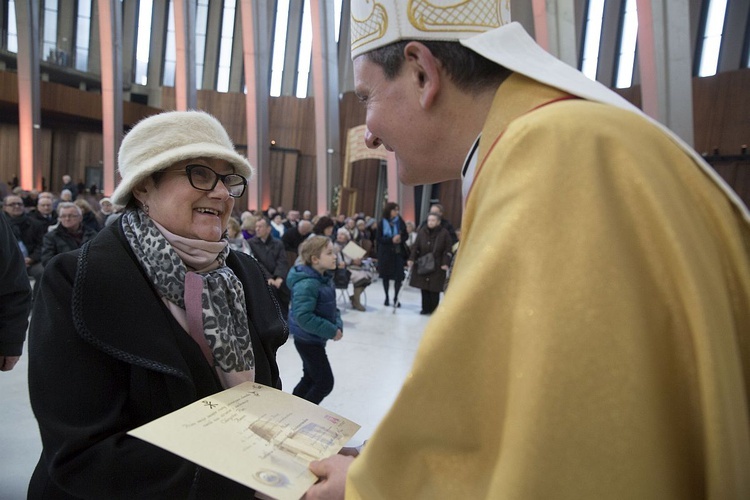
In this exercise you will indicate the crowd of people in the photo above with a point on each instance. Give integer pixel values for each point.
(47, 224)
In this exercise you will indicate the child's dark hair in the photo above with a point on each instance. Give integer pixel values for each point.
(313, 247)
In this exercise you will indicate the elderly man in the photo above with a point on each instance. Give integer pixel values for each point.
(271, 254)
(293, 237)
(44, 212)
(69, 235)
(292, 219)
(70, 186)
(27, 231)
(596, 342)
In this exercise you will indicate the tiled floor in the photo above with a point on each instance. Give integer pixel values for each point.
(369, 365)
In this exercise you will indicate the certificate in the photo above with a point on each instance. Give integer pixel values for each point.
(354, 251)
(256, 435)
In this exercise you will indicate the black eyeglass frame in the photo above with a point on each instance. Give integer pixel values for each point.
(217, 177)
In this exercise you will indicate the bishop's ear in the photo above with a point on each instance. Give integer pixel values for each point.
(425, 71)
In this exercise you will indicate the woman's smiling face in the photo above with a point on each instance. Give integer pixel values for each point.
(184, 210)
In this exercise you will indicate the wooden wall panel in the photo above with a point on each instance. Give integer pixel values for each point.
(292, 123)
(227, 107)
(11, 158)
(452, 200)
(352, 113)
(365, 181)
(721, 107)
(46, 152)
(737, 175)
(306, 191)
(283, 171)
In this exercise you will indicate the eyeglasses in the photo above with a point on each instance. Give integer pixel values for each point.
(14, 204)
(69, 216)
(203, 178)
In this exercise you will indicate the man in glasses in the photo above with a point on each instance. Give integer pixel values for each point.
(69, 234)
(28, 232)
(15, 298)
(44, 211)
(271, 254)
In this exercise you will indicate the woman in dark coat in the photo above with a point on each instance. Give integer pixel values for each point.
(391, 249)
(151, 315)
(432, 237)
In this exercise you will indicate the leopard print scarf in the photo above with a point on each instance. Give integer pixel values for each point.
(225, 325)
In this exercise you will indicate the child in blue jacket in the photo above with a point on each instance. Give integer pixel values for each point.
(314, 317)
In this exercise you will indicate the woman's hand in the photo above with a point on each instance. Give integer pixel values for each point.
(409, 263)
(338, 335)
(332, 473)
(275, 282)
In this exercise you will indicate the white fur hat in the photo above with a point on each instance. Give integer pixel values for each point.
(159, 141)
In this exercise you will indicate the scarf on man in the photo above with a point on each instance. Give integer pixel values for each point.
(201, 292)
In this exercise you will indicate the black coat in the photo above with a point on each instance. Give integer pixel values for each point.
(59, 240)
(30, 232)
(15, 293)
(392, 256)
(35, 215)
(438, 241)
(106, 356)
(272, 257)
(292, 239)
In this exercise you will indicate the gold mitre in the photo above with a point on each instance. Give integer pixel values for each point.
(376, 23)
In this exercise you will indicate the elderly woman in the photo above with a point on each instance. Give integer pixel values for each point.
(153, 314)
(433, 239)
(360, 277)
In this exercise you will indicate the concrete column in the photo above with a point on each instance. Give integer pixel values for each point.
(665, 64)
(235, 63)
(346, 67)
(294, 30)
(256, 58)
(609, 43)
(735, 27)
(110, 35)
(325, 77)
(213, 36)
(29, 114)
(157, 46)
(186, 95)
(129, 29)
(555, 28)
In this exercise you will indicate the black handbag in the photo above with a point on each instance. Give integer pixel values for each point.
(426, 264)
(341, 277)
